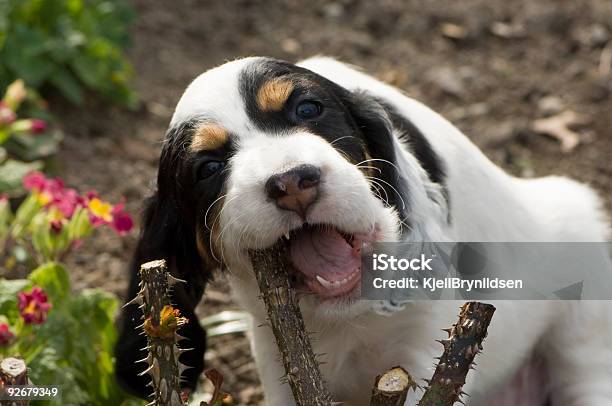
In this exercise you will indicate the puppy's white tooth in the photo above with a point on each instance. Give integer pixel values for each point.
(288, 235)
(325, 283)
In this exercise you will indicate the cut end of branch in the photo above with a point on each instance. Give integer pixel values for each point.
(397, 379)
(13, 371)
(391, 388)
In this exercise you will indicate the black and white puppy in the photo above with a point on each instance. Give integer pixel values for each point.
(330, 158)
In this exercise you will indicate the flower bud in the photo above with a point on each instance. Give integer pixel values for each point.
(6, 336)
(7, 116)
(29, 125)
(38, 126)
(15, 94)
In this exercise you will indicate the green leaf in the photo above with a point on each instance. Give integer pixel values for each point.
(30, 147)
(54, 279)
(40, 233)
(67, 84)
(93, 354)
(79, 226)
(50, 368)
(68, 44)
(12, 172)
(6, 217)
(24, 54)
(4, 135)
(8, 296)
(23, 217)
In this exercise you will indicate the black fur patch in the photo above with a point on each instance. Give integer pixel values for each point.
(409, 133)
(420, 147)
(335, 124)
(168, 232)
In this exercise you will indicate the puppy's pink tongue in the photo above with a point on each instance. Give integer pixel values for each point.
(323, 252)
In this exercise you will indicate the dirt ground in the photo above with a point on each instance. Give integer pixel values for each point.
(492, 67)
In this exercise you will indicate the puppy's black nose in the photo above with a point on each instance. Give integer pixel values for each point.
(295, 190)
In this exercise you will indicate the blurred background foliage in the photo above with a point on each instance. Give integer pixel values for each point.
(70, 49)
(72, 46)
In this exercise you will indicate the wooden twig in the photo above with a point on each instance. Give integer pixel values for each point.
(463, 343)
(391, 388)
(13, 371)
(298, 358)
(161, 322)
(559, 127)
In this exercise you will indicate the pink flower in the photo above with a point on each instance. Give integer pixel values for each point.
(38, 126)
(52, 194)
(67, 202)
(34, 181)
(33, 306)
(6, 336)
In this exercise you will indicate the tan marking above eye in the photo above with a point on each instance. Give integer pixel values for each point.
(273, 94)
(208, 137)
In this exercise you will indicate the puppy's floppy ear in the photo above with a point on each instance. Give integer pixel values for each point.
(378, 121)
(375, 124)
(164, 235)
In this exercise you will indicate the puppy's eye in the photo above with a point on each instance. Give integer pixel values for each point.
(308, 109)
(209, 168)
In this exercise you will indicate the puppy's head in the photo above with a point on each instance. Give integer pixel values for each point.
(260, 150)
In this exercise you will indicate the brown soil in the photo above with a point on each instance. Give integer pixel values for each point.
(491, 66)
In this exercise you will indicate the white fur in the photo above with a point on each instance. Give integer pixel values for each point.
(487, 204)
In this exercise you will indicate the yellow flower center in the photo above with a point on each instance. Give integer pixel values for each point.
(101, 209)
(55, 215)
(30, 308)
(43, 198)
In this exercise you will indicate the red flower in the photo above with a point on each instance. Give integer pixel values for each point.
(122, 221)
(33, 306)
(101, 212)
(38, 126)
(6, 336)
(56, 226)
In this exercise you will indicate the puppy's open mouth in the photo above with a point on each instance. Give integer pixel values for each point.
(325, 260)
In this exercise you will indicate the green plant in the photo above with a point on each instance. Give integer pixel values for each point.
(65, 337)
(23, 139)
(52, 221)
(68, 45)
